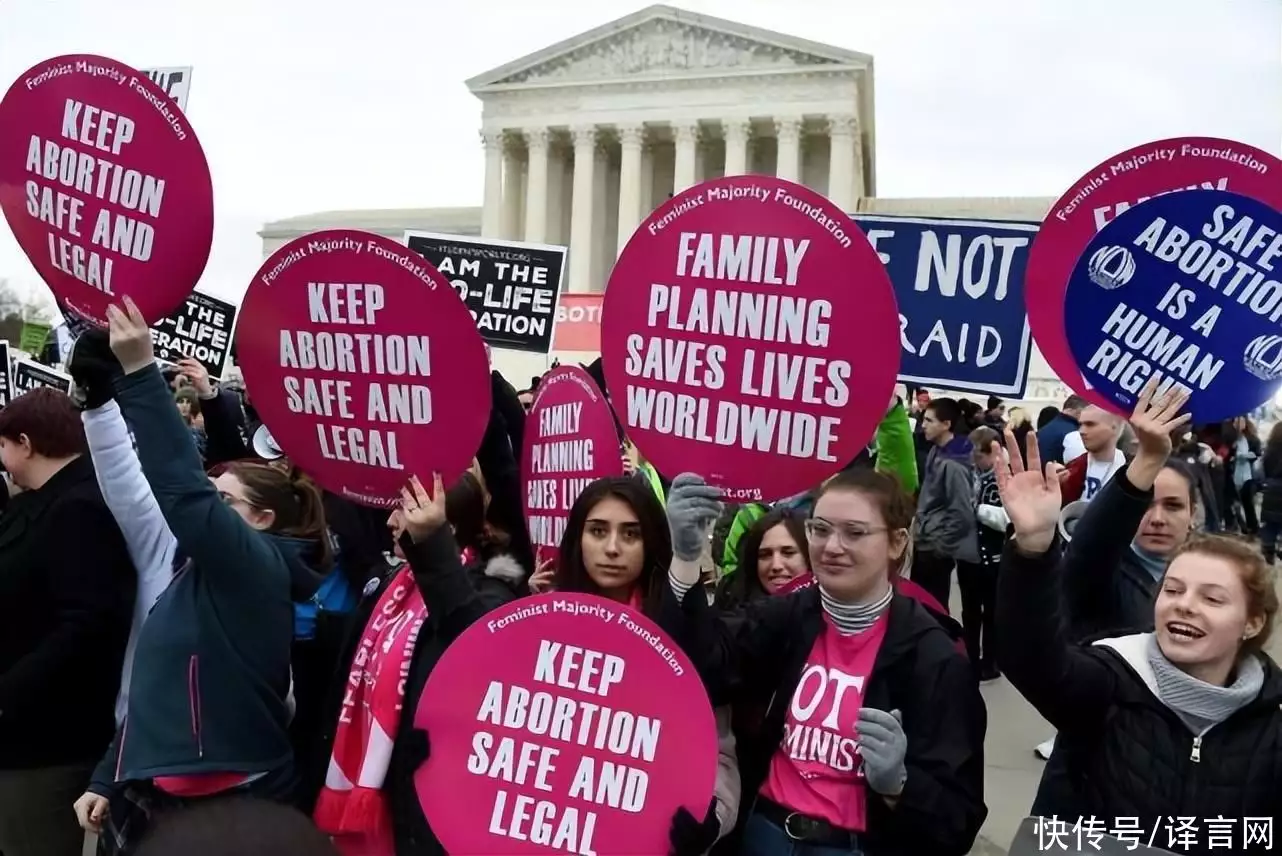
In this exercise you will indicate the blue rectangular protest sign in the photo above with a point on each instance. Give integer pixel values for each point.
(960, 287)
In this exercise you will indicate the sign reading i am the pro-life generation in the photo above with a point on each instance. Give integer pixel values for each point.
(1108, 190)
(750, 334)
(570, 442)
(105, 186)
(584, 737)
(1186, 288)
(510, 288)
(6, 375)
(174, 82)
(959, 285)
(201, 329)
(364, 364)
(29, 374)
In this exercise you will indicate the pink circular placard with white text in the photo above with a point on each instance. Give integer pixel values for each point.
(1111, 187)
(364, 364)
(750, 334)
(584, 731)
(105, 186)
(570, 442)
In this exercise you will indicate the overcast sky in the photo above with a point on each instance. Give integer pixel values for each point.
(311, 105)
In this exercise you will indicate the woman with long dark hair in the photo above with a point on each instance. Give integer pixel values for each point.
(617, 545)
(1271, 485)
(772, 553)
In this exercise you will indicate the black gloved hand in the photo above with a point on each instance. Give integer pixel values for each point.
(93, 369)
(417, 748)
(691, 837)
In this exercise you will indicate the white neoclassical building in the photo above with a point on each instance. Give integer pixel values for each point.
(587, 136)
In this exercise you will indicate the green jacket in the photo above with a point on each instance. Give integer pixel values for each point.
(896, 454)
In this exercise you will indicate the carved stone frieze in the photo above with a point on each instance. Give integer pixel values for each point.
(662, 45)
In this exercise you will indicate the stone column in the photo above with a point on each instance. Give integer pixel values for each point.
(581, 210)
(841, 161)
(857, 156)
(536, 194)
(788, 135)
(492, 214)
(512, 169)
(687, 139)
(737, 132)
(647, 179)
(630, 141)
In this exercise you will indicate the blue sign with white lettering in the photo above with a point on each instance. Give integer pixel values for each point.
(1186, 287)
(960, 289)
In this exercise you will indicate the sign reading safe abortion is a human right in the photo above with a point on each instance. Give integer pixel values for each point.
(1186, 288)
(584, 737)
(750, 334)
(363, 364)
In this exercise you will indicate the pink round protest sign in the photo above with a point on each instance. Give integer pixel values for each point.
(364, 364)
(1124, 180)
(750, 334)
(105, 186)
(570, 442)
(584, 733)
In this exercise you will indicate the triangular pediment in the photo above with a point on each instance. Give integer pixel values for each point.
(663, 41)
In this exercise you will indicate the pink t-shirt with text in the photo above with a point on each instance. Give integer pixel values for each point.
(816, 770)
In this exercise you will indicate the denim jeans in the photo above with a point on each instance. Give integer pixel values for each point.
(763, 838)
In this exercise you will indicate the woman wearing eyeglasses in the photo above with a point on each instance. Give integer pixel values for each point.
(874, 732)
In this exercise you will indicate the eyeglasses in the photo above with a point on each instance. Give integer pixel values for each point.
(848, 534)
(228, 499)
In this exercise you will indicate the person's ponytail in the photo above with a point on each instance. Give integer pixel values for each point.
(295, 502)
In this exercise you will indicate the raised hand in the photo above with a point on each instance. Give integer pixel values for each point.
(130, 337)
(543, 577)
(693, 507)
(198, 375)
(422, 512)
(1155, 419)
(1030, 496)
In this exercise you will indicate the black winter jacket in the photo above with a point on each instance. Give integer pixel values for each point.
(455, 597)
(66, 600)
(1126, 754)
(757, 654)
(1107, 587)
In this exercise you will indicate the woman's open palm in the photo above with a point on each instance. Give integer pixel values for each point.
(1030, 496)
(422, 512)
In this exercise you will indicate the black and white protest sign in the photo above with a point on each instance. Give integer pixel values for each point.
(28, 374)
(201, 329)
(510, 288)
(175, 81)
(6, 382)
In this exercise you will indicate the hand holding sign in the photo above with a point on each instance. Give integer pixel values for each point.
(130, 336)
(423, 513)
(198, 375)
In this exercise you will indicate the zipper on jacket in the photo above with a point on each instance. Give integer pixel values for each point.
(1196, 755)
(193, 698)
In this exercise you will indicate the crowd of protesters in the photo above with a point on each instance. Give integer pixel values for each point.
(187, 622)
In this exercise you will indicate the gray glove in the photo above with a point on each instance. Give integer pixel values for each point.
(693, 507)
(883, 745)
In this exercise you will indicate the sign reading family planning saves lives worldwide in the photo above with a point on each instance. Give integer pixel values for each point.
(584, 737)
(750, 334)
(570, 442)
(364, 364)
(1188, 288)
(105, 186)
(510, 289)
(1112, 187)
